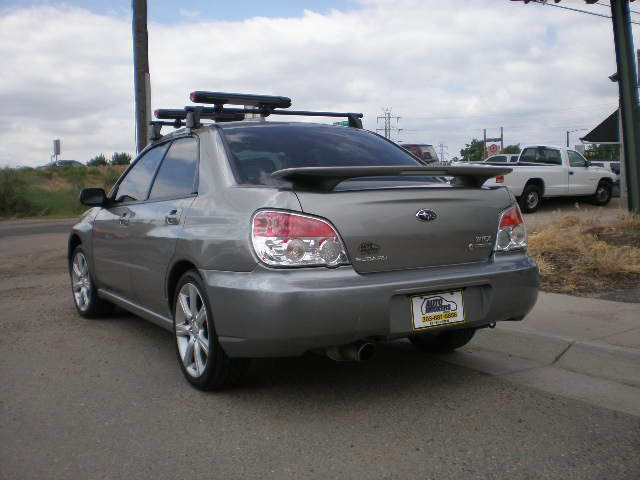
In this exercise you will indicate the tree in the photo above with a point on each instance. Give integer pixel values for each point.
(602, 152)
(472, 152)
(97, 161)
(512, 148)
(120, 158)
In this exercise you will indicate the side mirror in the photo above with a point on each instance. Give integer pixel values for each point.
(93, 197)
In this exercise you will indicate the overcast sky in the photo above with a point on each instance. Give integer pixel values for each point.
(449, 69)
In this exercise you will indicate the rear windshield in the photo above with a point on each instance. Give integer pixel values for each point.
(258, 150)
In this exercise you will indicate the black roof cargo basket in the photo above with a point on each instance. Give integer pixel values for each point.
(219, 99)
(263, 105)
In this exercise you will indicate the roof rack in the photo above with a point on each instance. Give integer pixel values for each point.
(263, 105)
(219, 99)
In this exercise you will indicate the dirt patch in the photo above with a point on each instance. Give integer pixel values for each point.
(585, 257)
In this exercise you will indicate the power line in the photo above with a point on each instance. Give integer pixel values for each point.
(388, 128)
(576, 10)
(607, 5)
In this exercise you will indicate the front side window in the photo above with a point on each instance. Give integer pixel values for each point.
(135, 185)
(575, 159)
(259, 150)
(177, 174)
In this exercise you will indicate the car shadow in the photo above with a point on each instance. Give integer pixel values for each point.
(396, 371)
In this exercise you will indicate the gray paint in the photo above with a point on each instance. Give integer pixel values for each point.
(261, 311)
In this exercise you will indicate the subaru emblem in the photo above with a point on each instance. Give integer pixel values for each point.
(426, 215)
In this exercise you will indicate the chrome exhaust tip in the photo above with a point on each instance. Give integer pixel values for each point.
(352, 352)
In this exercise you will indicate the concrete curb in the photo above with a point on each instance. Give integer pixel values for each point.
(594, 358)
(602, 360)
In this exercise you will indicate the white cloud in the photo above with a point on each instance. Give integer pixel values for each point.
(449, 72)
(189, 13)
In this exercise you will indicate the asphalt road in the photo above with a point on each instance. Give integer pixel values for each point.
(105, 399)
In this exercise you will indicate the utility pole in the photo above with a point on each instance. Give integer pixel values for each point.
(627, 85)
(388, 128)
(141, 79)
(442, 147)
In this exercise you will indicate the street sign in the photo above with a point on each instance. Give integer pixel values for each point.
(343, 123)
(493, 148)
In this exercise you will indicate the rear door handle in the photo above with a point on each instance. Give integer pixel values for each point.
(173, 217)
(570, 173)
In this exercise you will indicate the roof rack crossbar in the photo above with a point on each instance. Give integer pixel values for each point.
(206, 113)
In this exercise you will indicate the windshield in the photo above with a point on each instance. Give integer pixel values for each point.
(258, 150)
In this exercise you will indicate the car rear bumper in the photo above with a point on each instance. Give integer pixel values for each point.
(270, 313)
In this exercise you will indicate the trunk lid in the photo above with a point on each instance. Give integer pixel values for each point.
(381, 231)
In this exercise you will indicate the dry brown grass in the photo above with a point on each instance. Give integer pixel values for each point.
(584, 256)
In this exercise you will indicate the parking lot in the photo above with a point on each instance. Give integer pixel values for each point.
(105, 399)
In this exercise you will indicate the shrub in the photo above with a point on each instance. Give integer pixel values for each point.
(120, 158)
(13, 199)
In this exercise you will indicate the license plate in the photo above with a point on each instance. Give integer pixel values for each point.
(437, 309)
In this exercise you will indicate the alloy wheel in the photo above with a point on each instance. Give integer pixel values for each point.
(192, 329)
(81, 281)
(532, 199)
(602, 194)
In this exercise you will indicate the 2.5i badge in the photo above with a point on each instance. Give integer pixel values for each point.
(437, 309)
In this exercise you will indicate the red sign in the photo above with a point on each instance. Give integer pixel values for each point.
(493, 148)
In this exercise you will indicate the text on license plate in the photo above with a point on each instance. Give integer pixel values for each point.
(437, 309)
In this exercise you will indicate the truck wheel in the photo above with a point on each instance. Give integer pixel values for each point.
(603, 194)
(530, 199)
(442, 342)
(201, 358)
(85, 294)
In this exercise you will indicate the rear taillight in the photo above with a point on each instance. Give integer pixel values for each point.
(286, 239)
(512, 233)
(500, 179)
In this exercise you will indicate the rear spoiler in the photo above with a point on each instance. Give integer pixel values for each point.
(326, 178)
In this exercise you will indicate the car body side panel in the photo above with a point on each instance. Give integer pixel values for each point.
(152, 243)
(216, 232)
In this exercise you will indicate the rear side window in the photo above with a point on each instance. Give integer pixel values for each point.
(259, 150)
(177, 174)
(135, 185)
(498, 158)
(549, 156)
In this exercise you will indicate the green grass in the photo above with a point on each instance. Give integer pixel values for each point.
(26, 192)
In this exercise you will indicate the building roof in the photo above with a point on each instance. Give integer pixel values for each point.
(605, 132)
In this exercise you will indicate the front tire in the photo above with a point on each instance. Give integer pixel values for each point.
(85, 294)
(530, 199)
(442, 342)
(201, 358)
(603, 194)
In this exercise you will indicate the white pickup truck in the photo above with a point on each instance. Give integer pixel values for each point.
(545, 171)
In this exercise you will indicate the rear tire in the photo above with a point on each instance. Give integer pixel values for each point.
(442, 342)
(201, 358)
(603, 194)
(530, 199)
(83, 288)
